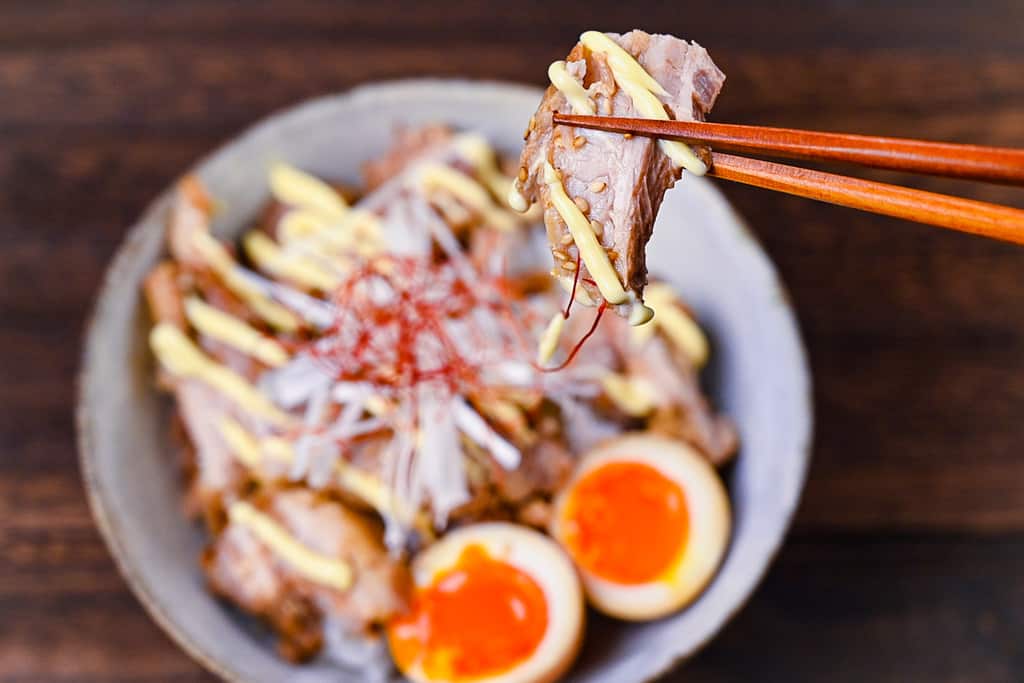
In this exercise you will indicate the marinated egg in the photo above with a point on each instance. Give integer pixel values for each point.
(646, 520)
(493, 602)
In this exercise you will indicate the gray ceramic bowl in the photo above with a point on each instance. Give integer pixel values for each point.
(759, 377)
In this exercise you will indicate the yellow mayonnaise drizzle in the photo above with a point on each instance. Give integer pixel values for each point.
(671, 319)
(320, 220)
(299, 224)
(638, 312)
(581, 294)
(378, 406)
(622, 63)
(242, 444)
(220, 261)
(321, 569)
(549, 340)
(643, 90)
(361, 230)
(466, 190)
(303, 230)
(183, 358)
(250, 451)
(516, 199)
(226, 328)
(591, 252)
(474, 149)
(268, 256)
(293, 187)
(633, 395)
(571, 89)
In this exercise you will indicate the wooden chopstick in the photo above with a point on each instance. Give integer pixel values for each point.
(965, 215)
(993, 164)
(936, 158)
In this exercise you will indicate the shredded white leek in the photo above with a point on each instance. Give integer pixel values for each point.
(476, 428)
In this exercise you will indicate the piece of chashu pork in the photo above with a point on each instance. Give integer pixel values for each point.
(604, 182)
(340, 573)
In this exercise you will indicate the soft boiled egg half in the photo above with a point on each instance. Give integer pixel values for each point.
(493, 602)
(646, 519)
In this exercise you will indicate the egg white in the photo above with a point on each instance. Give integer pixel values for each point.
(710, 522)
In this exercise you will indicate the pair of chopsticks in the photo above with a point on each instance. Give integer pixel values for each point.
(992, 164)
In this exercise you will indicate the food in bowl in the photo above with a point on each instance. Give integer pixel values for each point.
(388, 417)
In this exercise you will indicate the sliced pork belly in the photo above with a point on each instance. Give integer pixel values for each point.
(409, 145)
(242, 567)
(218, 474)
(188, 217)
(648, 380)
(616, 183)
(681, 410)
(163, 291)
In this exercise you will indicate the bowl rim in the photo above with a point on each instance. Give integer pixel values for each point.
(95, 494)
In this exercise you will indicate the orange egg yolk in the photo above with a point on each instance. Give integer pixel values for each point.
(626, 522)
(480, 618)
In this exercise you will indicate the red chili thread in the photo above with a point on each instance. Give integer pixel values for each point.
(579, 345)
(575, 281)
(390, 327)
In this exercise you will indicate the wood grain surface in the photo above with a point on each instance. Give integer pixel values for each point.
(906, 559)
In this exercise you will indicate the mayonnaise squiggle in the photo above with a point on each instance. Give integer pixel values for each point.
(573, 91)
(224, 327)
(549, 340)
(181, 357)
(673, 321)
(293, 187)
(643, 90)
(318, 568)
(305, 272)
(592, 253)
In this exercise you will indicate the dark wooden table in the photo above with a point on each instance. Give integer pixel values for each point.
(906, 561)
